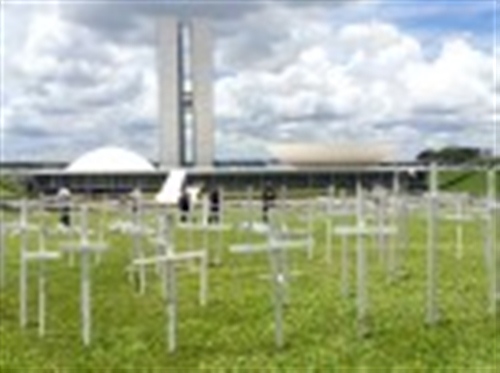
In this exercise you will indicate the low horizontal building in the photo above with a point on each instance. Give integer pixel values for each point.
(113, 170)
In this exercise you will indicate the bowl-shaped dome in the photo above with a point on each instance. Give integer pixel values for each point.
(332, 153)
(110, 159)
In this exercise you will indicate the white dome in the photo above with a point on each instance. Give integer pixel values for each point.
(110, 159)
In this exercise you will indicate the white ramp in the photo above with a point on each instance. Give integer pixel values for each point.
(172, 187)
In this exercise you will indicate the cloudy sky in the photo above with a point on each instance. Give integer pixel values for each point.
(77, 75)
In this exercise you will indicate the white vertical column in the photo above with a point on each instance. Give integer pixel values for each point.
(171, 304)
(85, 279)
(202, 77)
(344, 270)
(3, 235)
(169, 95)
(41, 287)
(490, 254)
(23, 226)
(278, 278)
(432, 311)
(403, 226)
(394, 220)
(361, 299)
(138, 232)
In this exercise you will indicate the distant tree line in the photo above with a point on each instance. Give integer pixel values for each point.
(455, 155)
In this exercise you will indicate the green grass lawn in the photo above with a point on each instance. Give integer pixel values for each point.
(473, 182)
(235, 330)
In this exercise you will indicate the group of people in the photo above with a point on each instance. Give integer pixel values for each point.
(184, 205)
(214, 201)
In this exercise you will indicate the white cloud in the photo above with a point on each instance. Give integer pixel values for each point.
(70, 83)
(368, 81)
(284, 73)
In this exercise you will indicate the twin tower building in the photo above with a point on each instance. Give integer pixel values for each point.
(186, 114)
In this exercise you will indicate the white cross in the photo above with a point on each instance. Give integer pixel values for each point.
(359, 230)
(84, 247)
(170, 284)
(276, 248)
(25, 256)
(329, 229)
(459, 217)
(138, 231)
(40, 256)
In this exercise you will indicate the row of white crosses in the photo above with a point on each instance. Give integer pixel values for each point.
(389, 210)
(74, 232)
(169, 258)
(84, 247)
(432, 314)
(360, 230)
(276, 247)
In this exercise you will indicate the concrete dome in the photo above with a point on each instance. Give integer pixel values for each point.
(110, 159)
(309, 154)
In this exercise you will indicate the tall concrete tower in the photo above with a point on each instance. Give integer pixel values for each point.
(185, 68)
(203, 103)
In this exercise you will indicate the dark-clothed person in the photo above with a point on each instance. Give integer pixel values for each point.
(65, 218)
(184, 206)
(214, 206)
(268, 198)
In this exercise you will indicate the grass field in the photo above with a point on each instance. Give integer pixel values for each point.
(235, 330)
(473, 182)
